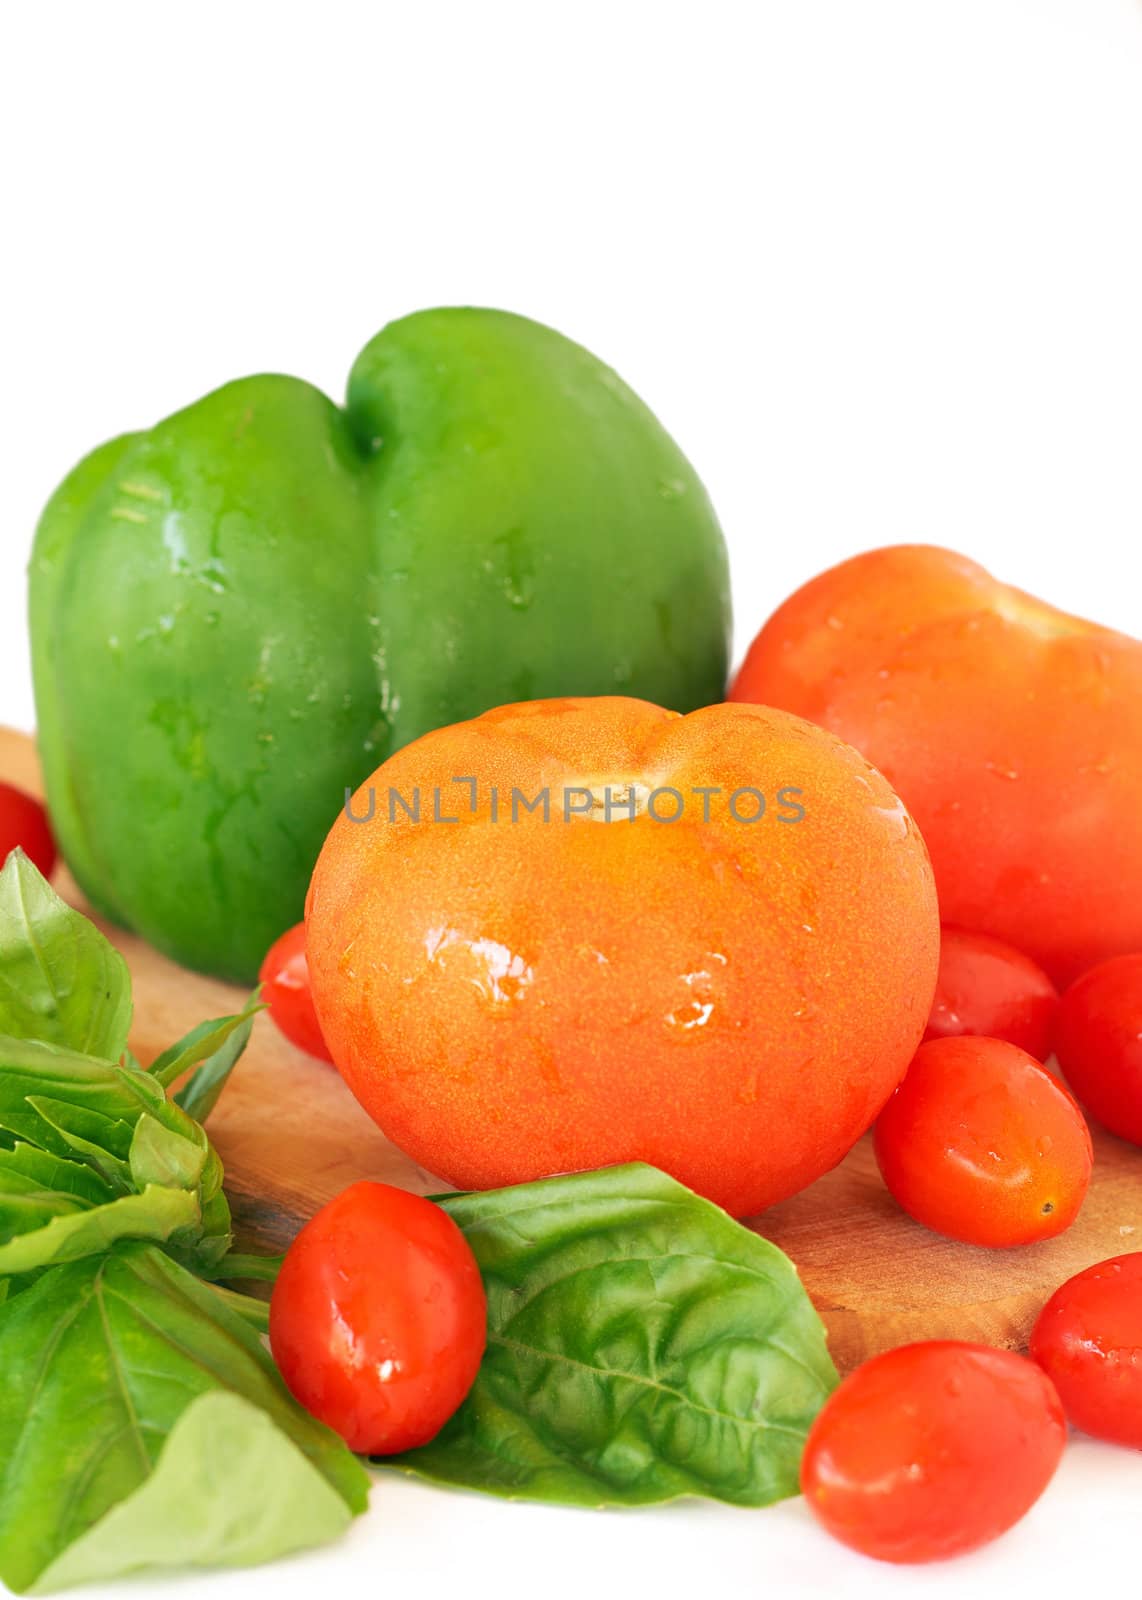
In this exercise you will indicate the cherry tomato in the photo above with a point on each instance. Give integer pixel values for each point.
(24, 825)
(1098, 1040)
(990, 989)
(378, 1318)
(1088, 1340)
(932, 1450)
(285, 988)
(981, 1143)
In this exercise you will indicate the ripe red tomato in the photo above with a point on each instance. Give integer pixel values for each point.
(981, 1143)
(1098, 1040)
(932, 1450)
(24, 824)
(378, 1318)
(285, 988)
(992, 990)
(1088, 1340)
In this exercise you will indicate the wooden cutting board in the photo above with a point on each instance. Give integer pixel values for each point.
(292, 1136)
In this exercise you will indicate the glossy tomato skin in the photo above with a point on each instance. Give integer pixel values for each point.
(24, 825)
(535, 991)
(932, 1449)
(982, 1144)
(991, 990)
(285, 988)
(378, 1318)
(1088, 1340)
(1098, 1040)
(1011, 731)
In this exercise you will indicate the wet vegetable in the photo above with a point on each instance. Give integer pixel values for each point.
(272, 594)
(642, 1346)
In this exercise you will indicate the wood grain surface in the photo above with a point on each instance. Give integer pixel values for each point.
(292, 1136)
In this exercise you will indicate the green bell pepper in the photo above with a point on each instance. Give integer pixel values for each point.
(238, 615)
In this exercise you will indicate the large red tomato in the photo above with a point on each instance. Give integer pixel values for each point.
(716, 951)
(1012, 731)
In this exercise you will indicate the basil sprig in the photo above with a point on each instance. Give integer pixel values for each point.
(96, 1152)
(142, 1421)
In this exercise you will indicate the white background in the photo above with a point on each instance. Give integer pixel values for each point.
(877, 265)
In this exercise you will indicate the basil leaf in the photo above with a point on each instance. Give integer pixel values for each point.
(71, 1113)
(103, 1141)
(101, 1361)
(230, 1489)
(641, 1346)
(39, 1068)
(155, 1214)
(23, 1212)
(160, 1155)
(213, 1047)
(199, 1095)
(35, 1187)
(255, 1312)
(23, 1166)
(61, 981)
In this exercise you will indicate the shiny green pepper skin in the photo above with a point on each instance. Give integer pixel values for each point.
(239, 614)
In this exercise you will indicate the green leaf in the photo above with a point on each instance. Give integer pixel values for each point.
(36, 1186)
(142, 1421)
(25, 1212)
(155, 1214)
(73, 1113)
(29, 1168)
(641, 1346)
(213, 1047)
(86, 1132)
(160, 1155)
(61, 981)
(200, 1093)
(216, 1238)
(229, 1490)
(101, 1359)
(255, 1312)
(40, 1067)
